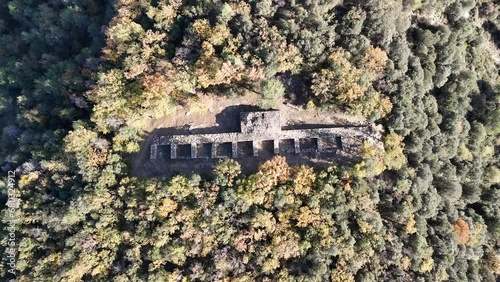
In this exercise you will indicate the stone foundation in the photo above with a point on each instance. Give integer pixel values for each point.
(257, 128)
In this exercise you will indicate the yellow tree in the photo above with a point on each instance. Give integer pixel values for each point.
(303, 179)
(375, 59)
(273, 172)
(394, 157)
(340, 81)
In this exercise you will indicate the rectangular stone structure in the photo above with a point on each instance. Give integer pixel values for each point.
(193, 150)
(234, 147)
(153, 152)
(255, 144)
(258, 127)
(296, 142)
(213, 153)
(173, 151)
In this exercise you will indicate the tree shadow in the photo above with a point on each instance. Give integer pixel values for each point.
(296, 88)
(490, 27)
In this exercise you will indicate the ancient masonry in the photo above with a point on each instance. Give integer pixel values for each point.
(257, 127)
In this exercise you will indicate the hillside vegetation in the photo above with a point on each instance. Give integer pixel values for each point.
(79, 78)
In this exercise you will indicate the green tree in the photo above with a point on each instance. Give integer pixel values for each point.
(272, 93)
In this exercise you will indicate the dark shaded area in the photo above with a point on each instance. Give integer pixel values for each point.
(338, 141)
(229, 119)
(297, 88)
(493, 29)
(184, 151)
(245, 149)
(203, 150)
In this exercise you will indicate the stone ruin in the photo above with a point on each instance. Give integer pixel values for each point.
(258, 130)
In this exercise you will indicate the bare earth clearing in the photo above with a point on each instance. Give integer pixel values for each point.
(221, 114)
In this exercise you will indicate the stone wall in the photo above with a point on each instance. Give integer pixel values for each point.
(261, 126)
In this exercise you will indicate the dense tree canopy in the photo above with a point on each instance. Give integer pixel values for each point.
(78, 78)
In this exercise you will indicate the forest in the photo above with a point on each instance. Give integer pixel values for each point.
(79, 77)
